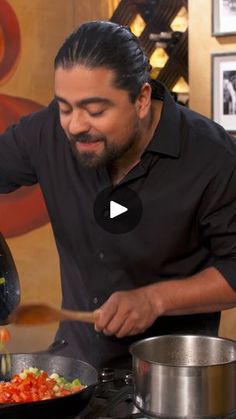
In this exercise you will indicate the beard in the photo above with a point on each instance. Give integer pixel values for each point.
(111, 152)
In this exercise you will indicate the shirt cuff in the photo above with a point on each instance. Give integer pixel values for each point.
(228, 269)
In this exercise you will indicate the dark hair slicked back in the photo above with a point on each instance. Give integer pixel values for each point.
(110, 45)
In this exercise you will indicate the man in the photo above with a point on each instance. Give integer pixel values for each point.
(111, 127)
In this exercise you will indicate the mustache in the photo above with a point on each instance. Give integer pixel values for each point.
(86, 138)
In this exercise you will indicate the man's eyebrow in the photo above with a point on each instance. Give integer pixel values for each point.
(88, 101)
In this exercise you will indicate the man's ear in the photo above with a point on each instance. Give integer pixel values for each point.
(143, 101)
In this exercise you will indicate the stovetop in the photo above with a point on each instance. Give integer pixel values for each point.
(113, 399)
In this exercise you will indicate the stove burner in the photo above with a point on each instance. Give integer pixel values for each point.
(107, 374)
(129, 378)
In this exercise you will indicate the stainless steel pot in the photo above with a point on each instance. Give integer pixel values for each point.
(182, 376)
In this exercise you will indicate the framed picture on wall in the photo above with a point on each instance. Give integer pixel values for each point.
(224, 90)
(223, 17)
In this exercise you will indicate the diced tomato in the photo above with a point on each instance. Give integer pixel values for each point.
(4, 335)
(31, 388)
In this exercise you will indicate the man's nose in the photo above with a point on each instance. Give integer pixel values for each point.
(78, 123)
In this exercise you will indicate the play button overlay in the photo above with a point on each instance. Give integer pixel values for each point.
(118, 210)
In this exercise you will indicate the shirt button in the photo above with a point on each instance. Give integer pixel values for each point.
(101, 255)
(95, 300)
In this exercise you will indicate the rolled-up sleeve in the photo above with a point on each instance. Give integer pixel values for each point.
(218, 220)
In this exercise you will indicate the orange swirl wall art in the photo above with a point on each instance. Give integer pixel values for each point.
(24, 209)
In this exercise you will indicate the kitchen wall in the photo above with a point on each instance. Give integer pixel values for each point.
(201, 45)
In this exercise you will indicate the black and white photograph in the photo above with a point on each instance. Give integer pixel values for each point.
(224, 90)
(229, 92)
(223, 17)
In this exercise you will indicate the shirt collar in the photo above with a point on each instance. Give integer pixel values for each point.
(166, 138)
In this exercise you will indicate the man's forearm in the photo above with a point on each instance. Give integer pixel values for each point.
(128, 313)
(206, 291)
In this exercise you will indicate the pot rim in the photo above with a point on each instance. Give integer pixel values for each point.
(160, 337)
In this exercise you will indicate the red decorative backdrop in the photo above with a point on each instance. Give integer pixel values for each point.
(24, 209)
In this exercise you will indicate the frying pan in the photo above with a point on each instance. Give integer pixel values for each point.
(57, 408)
(10, 286)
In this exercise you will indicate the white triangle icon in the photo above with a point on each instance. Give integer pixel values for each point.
(116, 209)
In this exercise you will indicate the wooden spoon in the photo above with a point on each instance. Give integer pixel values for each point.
(36, 314)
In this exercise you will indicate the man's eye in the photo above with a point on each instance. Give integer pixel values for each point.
(99, 113)
(65, 111)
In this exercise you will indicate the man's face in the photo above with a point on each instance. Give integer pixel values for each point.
(99, 120)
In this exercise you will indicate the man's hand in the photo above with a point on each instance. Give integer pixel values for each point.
(127, 313)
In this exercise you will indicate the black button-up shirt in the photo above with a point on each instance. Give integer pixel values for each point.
(187, 185)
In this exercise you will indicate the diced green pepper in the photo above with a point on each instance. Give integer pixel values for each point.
(2, 280)
(76, 382)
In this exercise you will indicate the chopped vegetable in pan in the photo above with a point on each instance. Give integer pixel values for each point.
(33, 384)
